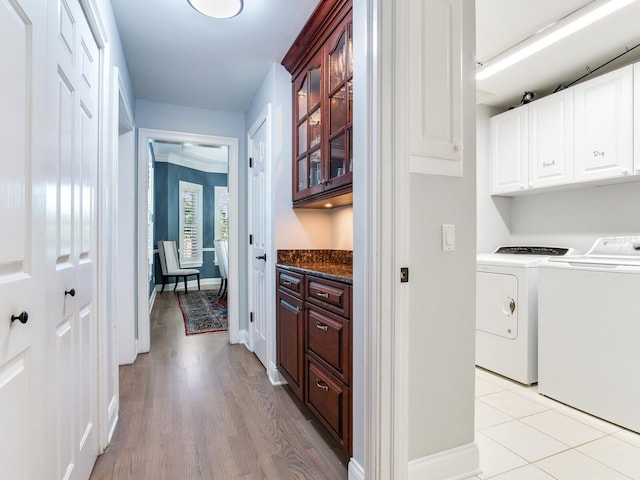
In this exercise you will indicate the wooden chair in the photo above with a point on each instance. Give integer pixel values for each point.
(222, 252)
(170, 264)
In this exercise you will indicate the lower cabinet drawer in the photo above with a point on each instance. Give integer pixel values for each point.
(330, 400)
(328, 338)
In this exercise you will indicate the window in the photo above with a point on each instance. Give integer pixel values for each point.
(190, 224)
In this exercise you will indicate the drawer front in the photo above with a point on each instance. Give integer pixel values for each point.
(330, 400)
(331, 295)
(290, 281)
(328, 337)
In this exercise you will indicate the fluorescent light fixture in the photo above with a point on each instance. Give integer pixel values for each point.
(217, 8)
(563, 28)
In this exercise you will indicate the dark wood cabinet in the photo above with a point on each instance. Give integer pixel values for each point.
(313, 321)
(290, 340)
(321, 64)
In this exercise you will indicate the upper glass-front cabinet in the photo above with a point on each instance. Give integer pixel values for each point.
(322, 117)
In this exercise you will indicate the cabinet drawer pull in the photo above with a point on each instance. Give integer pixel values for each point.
(322, 385)
(286, 283)
(321, 326)
(323, 295)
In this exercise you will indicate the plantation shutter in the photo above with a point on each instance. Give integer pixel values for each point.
(190, 224)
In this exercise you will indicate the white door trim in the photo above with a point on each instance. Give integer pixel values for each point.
(264, 118)
(145, 135)
(107, 410)
(380, 200)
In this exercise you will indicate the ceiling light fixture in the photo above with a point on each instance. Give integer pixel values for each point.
(217, 8)
(568, 25)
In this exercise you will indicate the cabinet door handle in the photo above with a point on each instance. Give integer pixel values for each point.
(22, 318)
(323, 295)
(320, 326)
(286, 283)
(294, 309)
(322, 385)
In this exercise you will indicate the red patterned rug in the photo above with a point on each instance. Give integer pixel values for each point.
(203, 312)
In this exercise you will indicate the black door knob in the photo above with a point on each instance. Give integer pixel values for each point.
(262, 257)
(23, 317)
(71, 292)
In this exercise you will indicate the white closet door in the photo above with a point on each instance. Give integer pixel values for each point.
(71, 215)
(22, 245)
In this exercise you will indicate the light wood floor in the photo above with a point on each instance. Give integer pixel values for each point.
(198, 408)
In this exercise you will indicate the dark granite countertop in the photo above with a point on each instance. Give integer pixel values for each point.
(329, 264)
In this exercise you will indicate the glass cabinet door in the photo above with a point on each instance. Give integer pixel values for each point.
(308, 131)
(340, 104)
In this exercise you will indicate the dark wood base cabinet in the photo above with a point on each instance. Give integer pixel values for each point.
(313, 322)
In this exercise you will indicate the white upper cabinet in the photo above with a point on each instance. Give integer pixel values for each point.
(636, 117)
(509, 151)
(551, 140)
(603, 126)
(433, 98)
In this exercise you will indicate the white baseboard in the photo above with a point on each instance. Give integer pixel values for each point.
(454, 464)
(274, 376)
(205, 283)
(243, 338)
(356, 472)
(152, 299)
(112, 415)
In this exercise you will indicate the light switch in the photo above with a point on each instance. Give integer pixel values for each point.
(448, 238)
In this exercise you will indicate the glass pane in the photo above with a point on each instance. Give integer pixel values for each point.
(337, 156)
(338, 110)
(302, 138)
(350, 96)
(315, 168)
(350, 47)
(302, 100)
(314, 91)
(315, 129)
(302, 174)
(337, 64)
(351, 150)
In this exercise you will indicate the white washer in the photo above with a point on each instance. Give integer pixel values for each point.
(506, 310)
(589, 326)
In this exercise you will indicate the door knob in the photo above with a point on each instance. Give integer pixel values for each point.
(262, 257)
(23, 317)
(71, 292)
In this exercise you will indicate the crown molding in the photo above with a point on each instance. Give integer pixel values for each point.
(207, 166)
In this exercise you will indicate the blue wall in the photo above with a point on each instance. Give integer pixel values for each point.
(167, 179)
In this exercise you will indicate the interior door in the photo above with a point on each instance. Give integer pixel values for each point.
(23, 316)
(71, 218)
(257, 248)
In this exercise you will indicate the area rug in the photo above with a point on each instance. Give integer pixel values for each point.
(203, 312)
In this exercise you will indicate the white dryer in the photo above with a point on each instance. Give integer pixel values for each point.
(507, 309)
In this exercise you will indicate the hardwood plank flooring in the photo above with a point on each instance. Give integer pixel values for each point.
(197, 407)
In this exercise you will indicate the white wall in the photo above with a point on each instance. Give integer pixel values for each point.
(292, 229)
(342, 228)
(441, 334)
(574, 217)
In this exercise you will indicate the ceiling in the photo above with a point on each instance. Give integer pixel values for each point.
(176, 55)
(501, 24)
(208, 158)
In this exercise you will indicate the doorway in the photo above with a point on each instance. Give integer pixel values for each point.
(146, 286)
(260, 276)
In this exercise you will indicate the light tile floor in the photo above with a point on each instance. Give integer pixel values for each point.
(525, 436)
